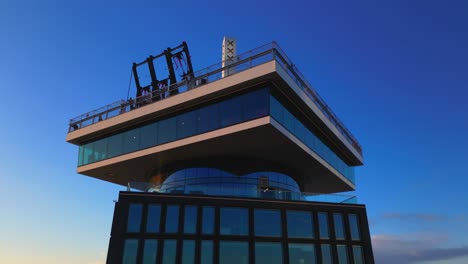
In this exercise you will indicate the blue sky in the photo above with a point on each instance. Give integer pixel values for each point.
(395, 72)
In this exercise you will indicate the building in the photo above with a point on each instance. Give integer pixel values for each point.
(241, 162)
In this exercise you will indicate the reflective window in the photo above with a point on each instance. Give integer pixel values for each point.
(326, 254)
(268, 252)
(188, 252)
(100, 149)
(230, 111)
(358, 256)
(134, 218)
(299, 224)
(131, 140)
(255, 104)
(234, 221)
(302, 253)
(323, 225)
(153, 218)
(150, 251)
(207, 118)
(233, 252)
(339, 226)
(186, 125)
(167, 130)
(130, 251)
(206, 252)
(148, 135)
(354, 227)
(342, 253)
(114, 145)
(267, 222)
(172, 219)
(208, 220)
(190, 219)
(169, 251)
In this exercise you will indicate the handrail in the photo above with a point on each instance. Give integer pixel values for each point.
(247, 60)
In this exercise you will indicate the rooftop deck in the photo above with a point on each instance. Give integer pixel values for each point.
(247, 60)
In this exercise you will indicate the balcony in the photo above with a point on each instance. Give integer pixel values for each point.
(245, 61)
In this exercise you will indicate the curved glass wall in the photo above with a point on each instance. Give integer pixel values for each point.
(297, 128)
(229, 112)
(212, 181)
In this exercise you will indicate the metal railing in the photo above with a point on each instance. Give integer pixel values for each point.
(241, 191)
(245, 61)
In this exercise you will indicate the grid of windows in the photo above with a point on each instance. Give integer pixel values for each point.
(240, 235)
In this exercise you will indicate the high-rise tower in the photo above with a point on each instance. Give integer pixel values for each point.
(240, 162)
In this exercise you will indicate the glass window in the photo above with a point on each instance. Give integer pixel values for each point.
(323, 225)
(190, 219)
(172, 219)
(80, 156)
(188, 252)
(302, 253)
(354, 227)
(130, 251)
(206, 252)
(326, 254)
(167, 130)
(114, 145)
(300, 224)
(267, 222)
(100, 149)
(342, 254)
(339, 226)
(233, 252)
(208, 220)
(169, 251)
(255, 104)
(131, 140)
(153, 218)
(134, 218)
(276, 110)
(150, 251)
(357, 253)
(88, 153)
(268, 252)
(234, 221)
(186, 125)
(230, 111)
(149, 135)
(207, 118)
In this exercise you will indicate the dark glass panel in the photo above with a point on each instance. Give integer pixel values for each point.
(88, 153)
(276, 110)
(358, 256)
(114, 145)
(154, 218)
(100, 149)
(207, 118)
(342, 254)
(130, 251)
(255, 104)
(326, 254)
(233, 252)
(339, 226)
(323, 225)
(172, 219)
(208, 220)
(230, 111)
(149, 135)
(150, 251)
(300, 224)
(302, 253)
(234, 221)
(134, 218)
(190, 219)
(169, 251)
(186, 125)
(267, 222)
(268, 252)
(206, 252)
(167, 130)
(131, 140)
(354, 227)
(188, 252)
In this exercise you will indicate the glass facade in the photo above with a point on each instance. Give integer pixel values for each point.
(229, 112)
(354, 227)
(188, 252)
(268, 252)
(208, 217)
(323, 226)
(234, 221)
(326, 254)
(300, 253)
(342, 253)
(267, 222)
(153, 218)
(150, 251)
(172, 219)
(281, 114)
(169, 251)
(233, 252)
(299, 224)
(130, 251)
(134, 218)
(357, 255)
(206, 252)
(190, 219)
(339, 226)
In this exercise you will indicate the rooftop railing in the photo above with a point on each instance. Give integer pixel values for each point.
(238, 190)
(245, 61)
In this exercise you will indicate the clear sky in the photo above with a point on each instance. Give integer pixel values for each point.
(395, 72)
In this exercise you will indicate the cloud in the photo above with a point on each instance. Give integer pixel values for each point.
(413, 248)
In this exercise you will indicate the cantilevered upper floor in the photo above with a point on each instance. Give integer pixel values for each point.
(256, 113)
